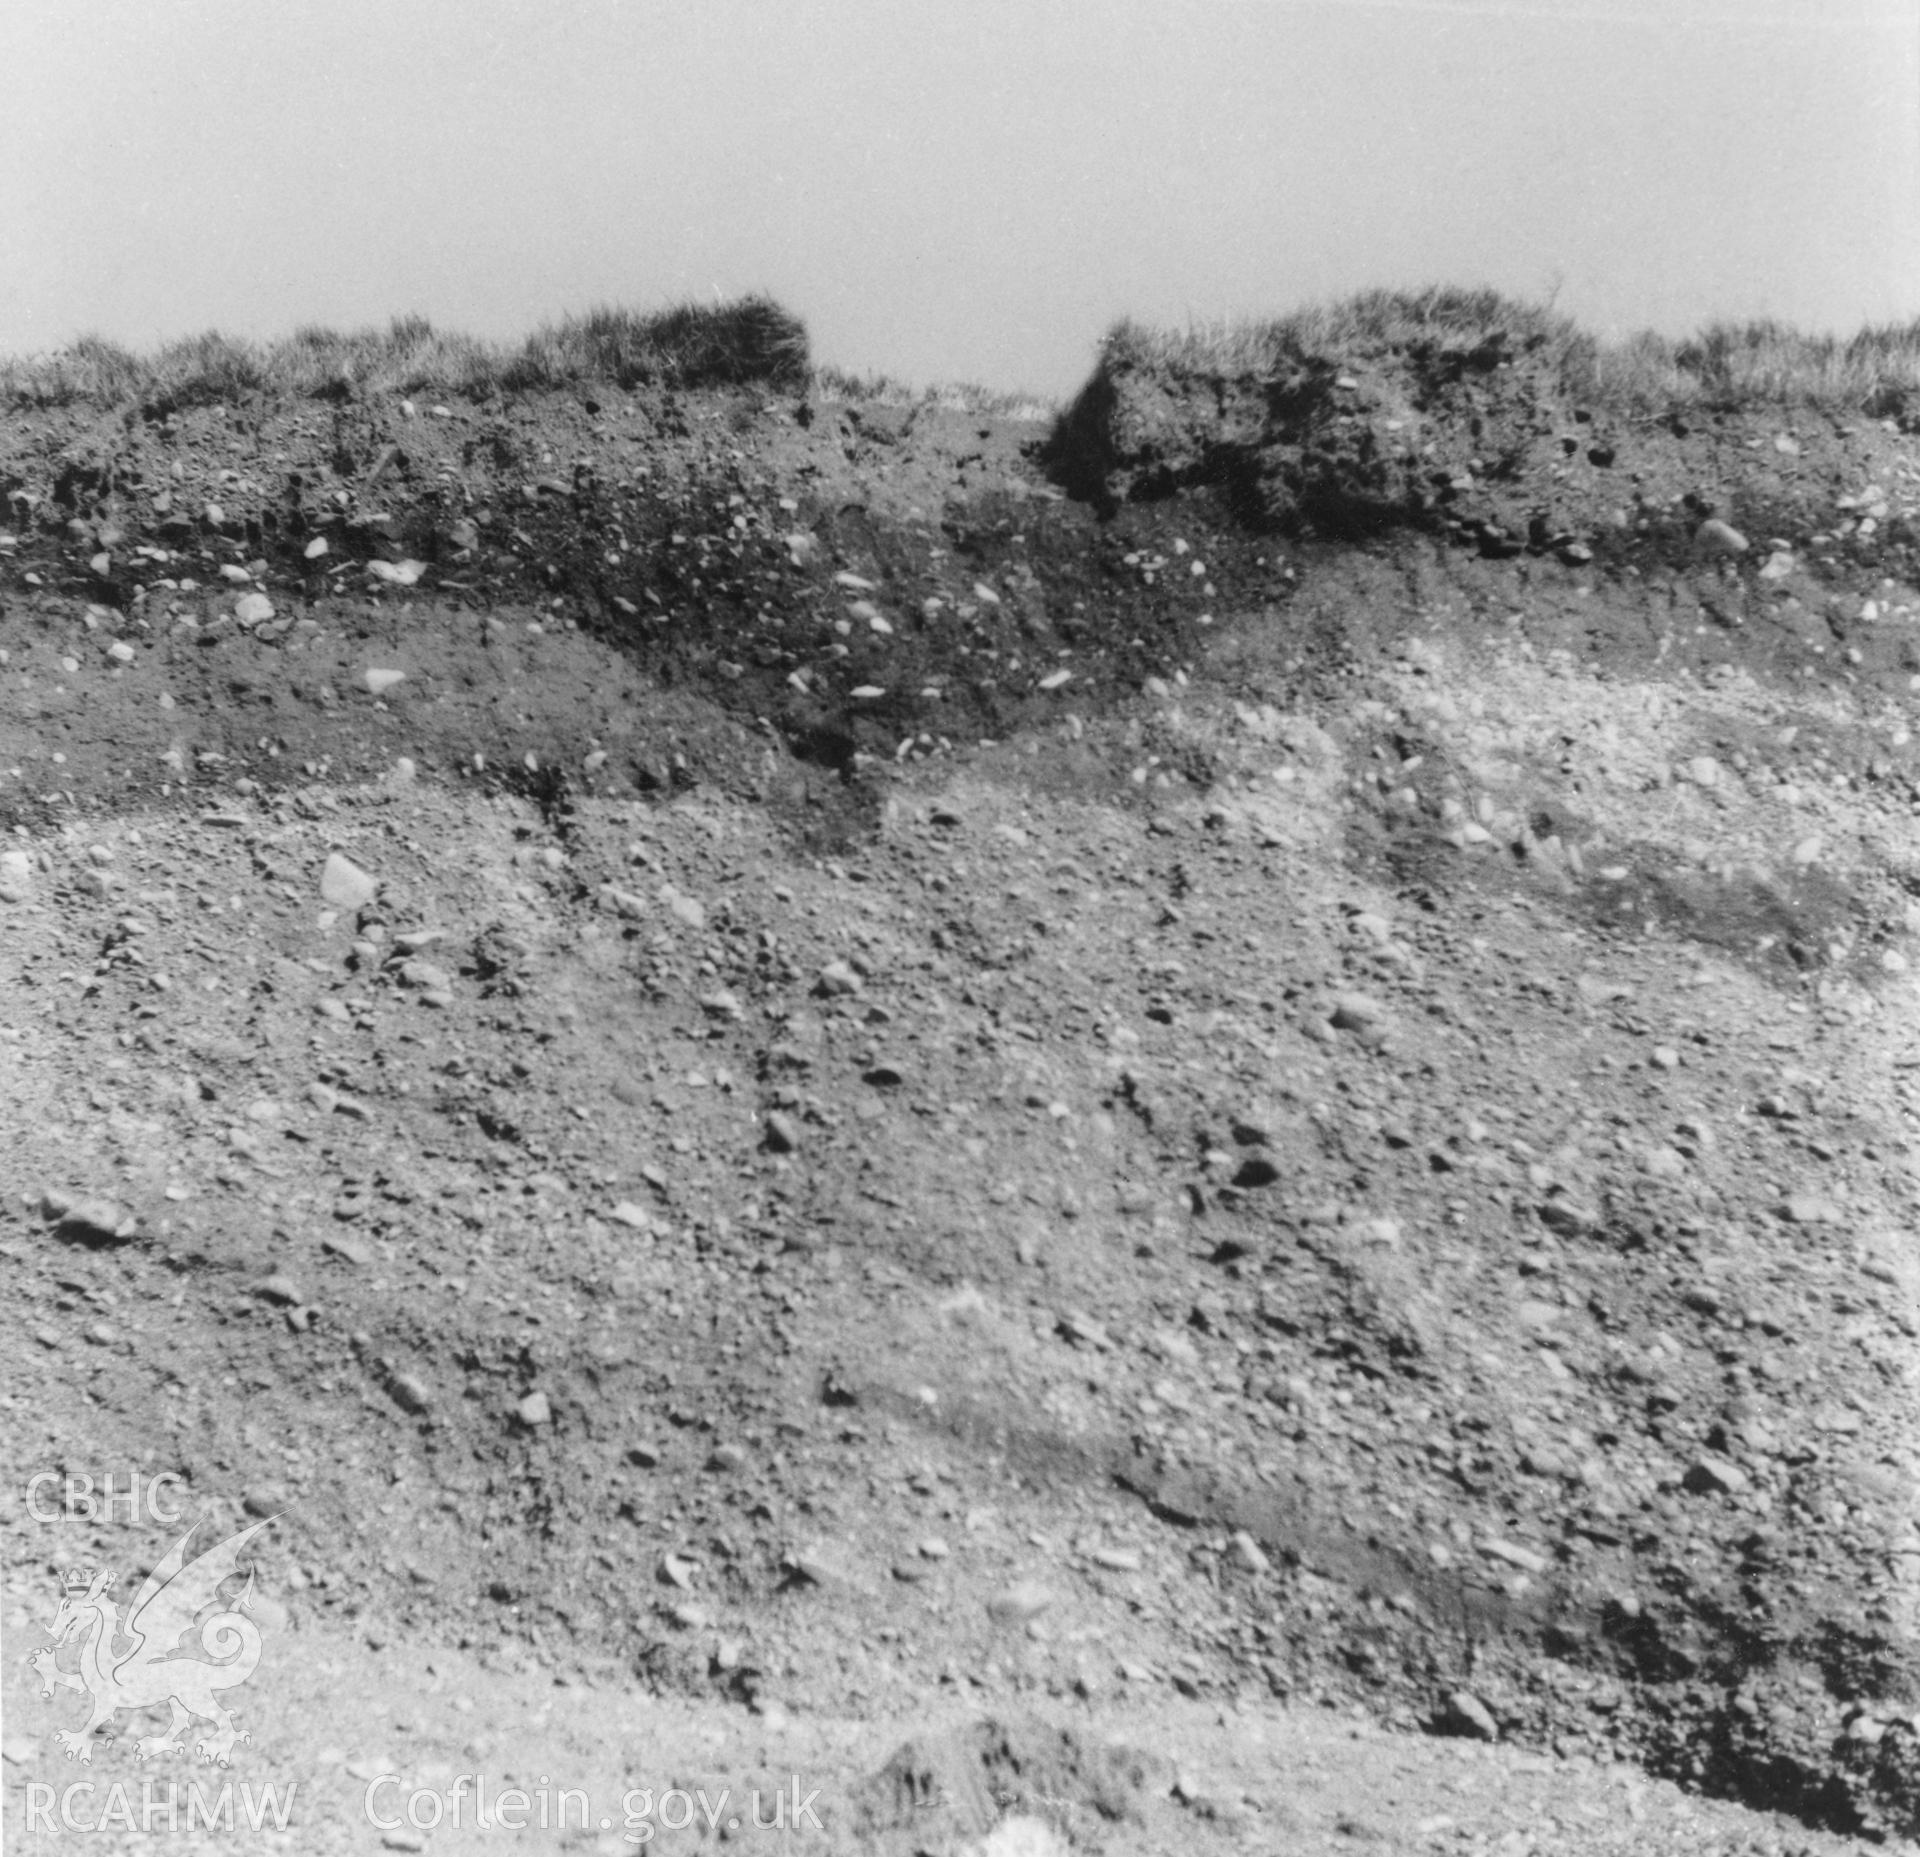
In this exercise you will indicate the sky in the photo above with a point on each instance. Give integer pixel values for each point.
(971, 190)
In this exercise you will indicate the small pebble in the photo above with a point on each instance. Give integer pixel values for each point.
(1811, 1209)
(1466, 1714)
(1354, 1012)
(1248, 1553)
(683, 908)
(1714, 1475)
(1019, 1604)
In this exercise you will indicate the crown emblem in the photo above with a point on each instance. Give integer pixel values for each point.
(77, 1579)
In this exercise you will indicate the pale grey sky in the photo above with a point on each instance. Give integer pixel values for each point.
(969, 190)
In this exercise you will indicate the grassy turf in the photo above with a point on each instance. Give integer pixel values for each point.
(746, 342)
(754, 341)
(1727, 365)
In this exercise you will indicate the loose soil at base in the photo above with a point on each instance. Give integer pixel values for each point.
(1348, 1157)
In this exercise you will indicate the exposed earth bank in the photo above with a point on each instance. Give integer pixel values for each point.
(812, 1056)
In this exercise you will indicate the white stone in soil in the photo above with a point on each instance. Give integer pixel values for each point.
(1020, 1603)
(344, 885)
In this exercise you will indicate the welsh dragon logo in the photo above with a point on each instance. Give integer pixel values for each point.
(166, 1606)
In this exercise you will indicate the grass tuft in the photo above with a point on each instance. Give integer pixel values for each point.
(751, 342)
(204, 370)
(1876, 370)
(839, 386)
(1372, 322)
(92, 370)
